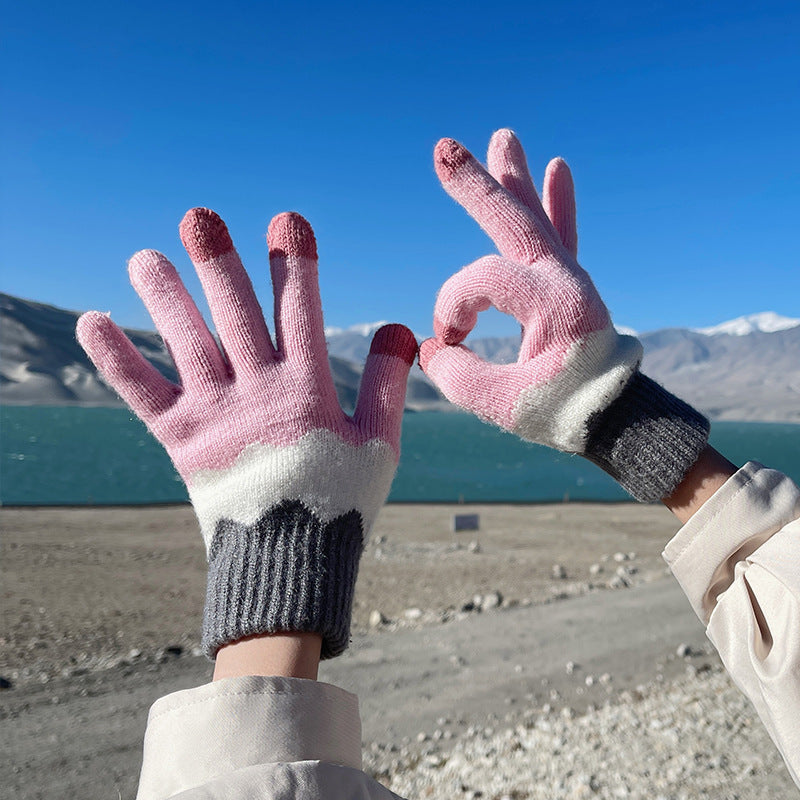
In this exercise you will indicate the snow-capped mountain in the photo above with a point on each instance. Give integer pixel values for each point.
(362, 329)
(764, 322)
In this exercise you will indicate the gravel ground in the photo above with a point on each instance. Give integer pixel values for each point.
(696, 737)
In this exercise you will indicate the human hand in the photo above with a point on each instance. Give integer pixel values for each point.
(576, 384)
(285, 484)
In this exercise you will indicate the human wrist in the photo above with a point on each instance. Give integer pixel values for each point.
(706, 476)
(288, 654)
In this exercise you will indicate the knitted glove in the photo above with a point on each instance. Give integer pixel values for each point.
(284, 484)
(576, 385)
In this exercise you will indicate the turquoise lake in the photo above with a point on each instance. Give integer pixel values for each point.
(105, 456)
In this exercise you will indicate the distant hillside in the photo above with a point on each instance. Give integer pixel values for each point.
(747, 369)
(41, 363)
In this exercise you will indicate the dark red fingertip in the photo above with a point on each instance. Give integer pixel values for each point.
(449, 334)
(204, 235)
(290, 234)
(448, 157)
(395, 340)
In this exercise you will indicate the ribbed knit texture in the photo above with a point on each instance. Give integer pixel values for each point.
(288, 571)
(647, 439)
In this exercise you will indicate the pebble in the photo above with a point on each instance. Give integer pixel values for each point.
(683, 650)
(412, 614)
(491, 600)
(474, 547)
(595, 569)
(571, 666)
(559, 571)
(619, 557)
(376, 619)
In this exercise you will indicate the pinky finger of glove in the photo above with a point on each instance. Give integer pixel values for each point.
(381, 398)
(488, 390)
(558, 197)
(135, 379)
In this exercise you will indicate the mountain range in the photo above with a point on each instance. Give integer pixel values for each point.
(745, 369)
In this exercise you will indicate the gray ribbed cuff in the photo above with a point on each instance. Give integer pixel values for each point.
(287, 572)
(647, 439)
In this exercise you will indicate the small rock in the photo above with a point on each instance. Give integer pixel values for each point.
(605, 678)
(134, 654)
(571, 666)
(474, 547)
(559, 571)
(590, 679)
(625, 572)
(376, 619)
(620, 557)
(491, 600)
(197, 651)
(422, 736)
(595, 569)
(413, 614)
(683, 650)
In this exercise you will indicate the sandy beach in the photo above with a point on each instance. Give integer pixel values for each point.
(527, 659)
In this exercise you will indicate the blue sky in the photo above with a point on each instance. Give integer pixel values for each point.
(680, 121)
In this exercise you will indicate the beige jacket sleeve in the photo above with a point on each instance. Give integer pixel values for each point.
(257, 738)
(738, 560)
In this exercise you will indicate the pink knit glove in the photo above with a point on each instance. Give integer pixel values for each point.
(285, 484)
(573, 366)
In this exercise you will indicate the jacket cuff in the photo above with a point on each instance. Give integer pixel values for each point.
(197, 735)
(752, 505)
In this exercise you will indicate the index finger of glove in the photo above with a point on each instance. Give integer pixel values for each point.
(236, 312)
(490, 281)
(381, 397)
(512, 226)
